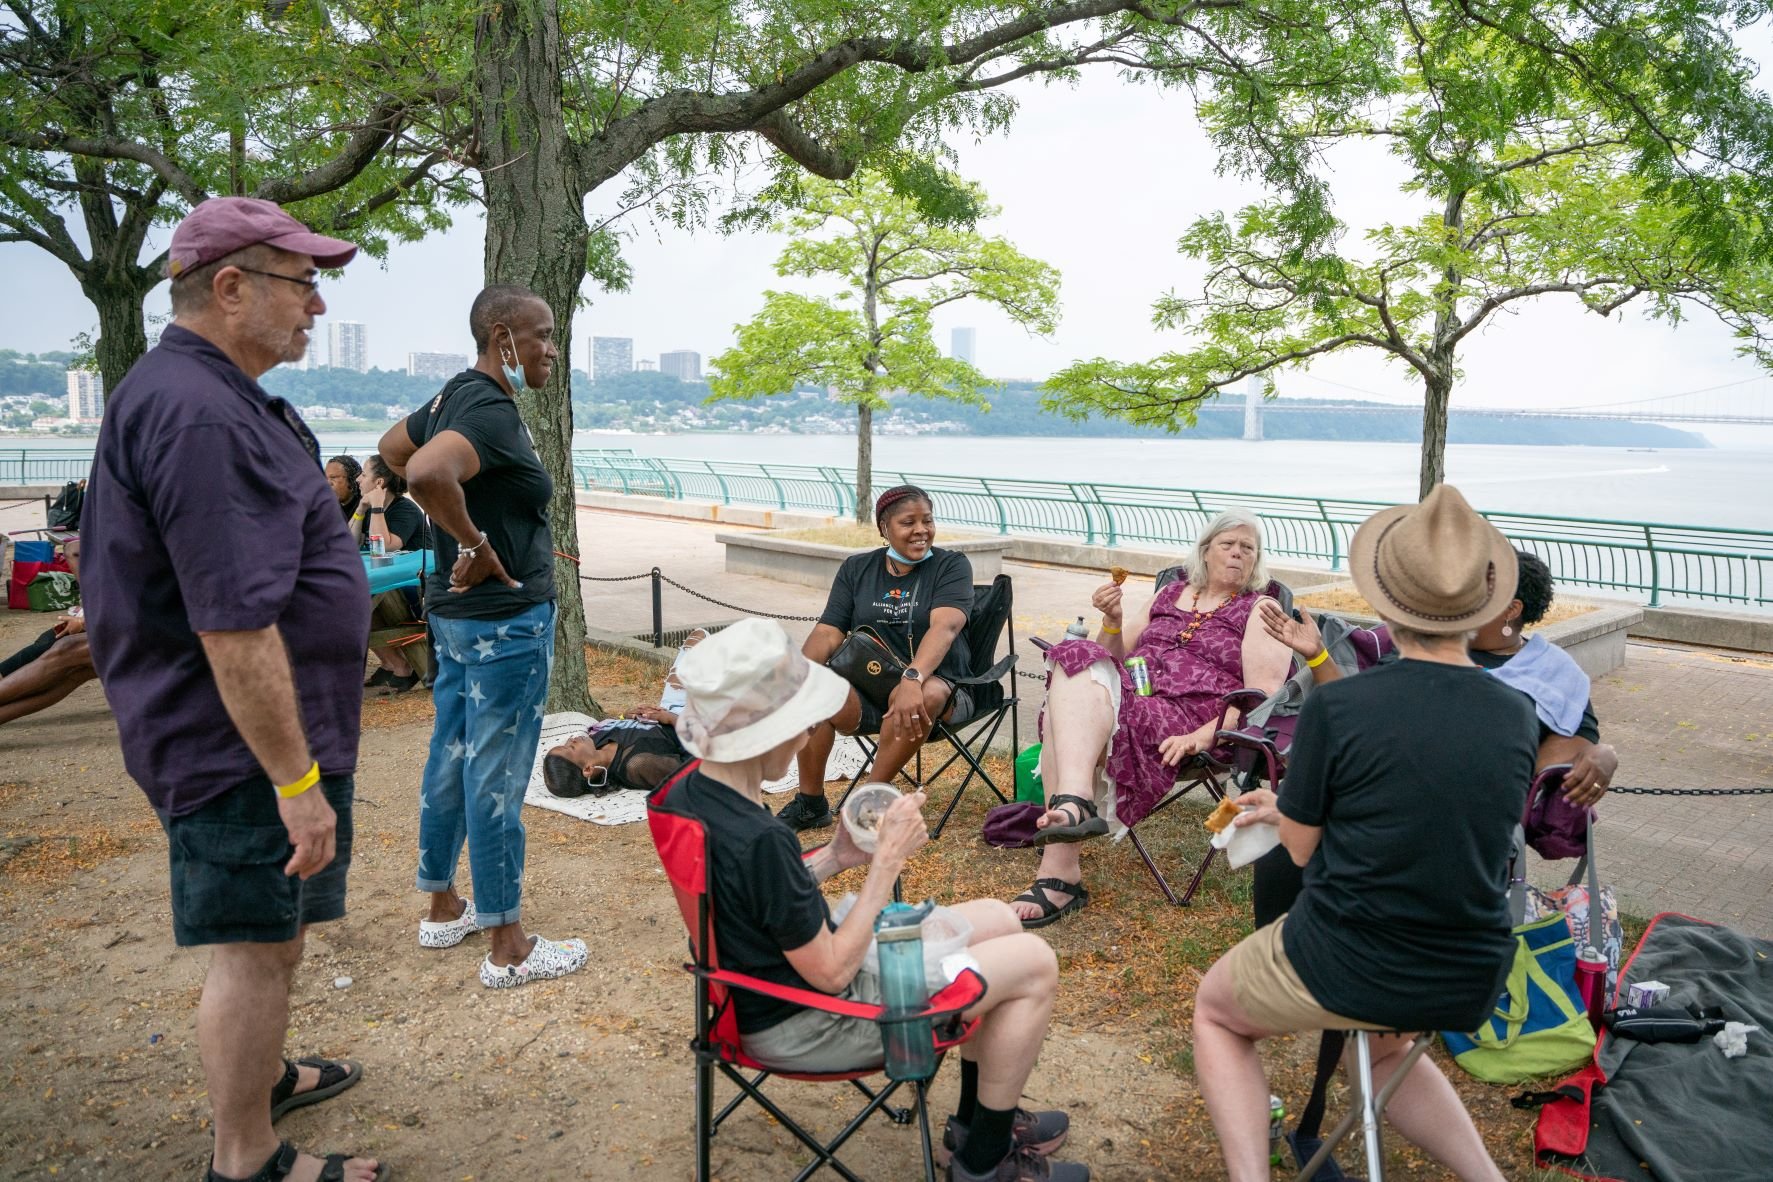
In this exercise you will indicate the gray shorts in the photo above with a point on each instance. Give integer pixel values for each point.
(815, 1041)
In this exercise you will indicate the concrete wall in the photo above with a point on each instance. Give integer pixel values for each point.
(812, 564)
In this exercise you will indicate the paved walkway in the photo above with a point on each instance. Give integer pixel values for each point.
(1679, 717)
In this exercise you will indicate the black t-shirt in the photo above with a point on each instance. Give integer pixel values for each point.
(1589, 728)
(764, 898)
(507, 498)
(865, 593)
(1418, 774)
(645, 756)
(403, 520)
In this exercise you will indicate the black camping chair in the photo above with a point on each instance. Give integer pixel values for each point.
(994, 699)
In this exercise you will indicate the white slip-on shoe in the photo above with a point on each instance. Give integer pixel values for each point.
(451, 932)
(547, 959)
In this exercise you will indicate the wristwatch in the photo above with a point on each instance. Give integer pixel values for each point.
(911, 674)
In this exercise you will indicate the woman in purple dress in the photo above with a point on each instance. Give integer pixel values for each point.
(1201, 639)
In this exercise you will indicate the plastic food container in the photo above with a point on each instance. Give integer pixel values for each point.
(863, 810)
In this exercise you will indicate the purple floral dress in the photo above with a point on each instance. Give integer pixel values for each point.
(1188, 680)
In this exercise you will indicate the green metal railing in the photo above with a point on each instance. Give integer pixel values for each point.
(1657, 562)
(1654, 561)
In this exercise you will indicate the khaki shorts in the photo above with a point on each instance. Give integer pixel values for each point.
(1270, 992)
(816, 1041)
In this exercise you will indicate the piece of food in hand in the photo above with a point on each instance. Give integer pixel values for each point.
(1222, 816)
(1118, 574)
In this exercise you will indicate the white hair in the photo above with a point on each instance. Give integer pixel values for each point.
(1195, 564)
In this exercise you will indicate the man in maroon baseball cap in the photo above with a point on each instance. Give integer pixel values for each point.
(227, 613)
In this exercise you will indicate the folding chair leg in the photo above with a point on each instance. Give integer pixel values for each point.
(1162, 883)
(1363, 1057)
(923, 1127)
(704, 1119)
(1368, 1109)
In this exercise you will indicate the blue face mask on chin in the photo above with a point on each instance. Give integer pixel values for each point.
(902, 560)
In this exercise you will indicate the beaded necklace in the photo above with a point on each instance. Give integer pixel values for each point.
(1200, 618)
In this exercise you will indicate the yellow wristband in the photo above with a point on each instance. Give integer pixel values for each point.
(310, 778)
(1107, 631)
(1323, 654)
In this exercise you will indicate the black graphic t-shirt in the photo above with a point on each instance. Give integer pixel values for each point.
(507, 498)
(865, 593)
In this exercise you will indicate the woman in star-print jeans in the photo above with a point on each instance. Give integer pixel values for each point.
(470, 464)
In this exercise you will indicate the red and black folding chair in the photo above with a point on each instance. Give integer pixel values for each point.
(683, 850)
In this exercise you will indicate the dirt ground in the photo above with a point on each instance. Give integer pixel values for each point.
(587, 1077)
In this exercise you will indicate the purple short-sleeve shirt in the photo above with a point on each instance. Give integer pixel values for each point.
(207, 511)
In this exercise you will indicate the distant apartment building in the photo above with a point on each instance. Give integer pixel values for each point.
(611, 357)
(646, 365)
(435, 365)
(315, 357)
(350, 345)
(86, 395)
(963, 345)
(323, 412)
(683, 365)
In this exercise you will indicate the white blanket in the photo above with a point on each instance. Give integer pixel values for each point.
(624, 807)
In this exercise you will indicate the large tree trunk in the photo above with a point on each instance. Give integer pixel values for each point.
(864, 464)
(1437, 392)
(536, 236)
(123, 333)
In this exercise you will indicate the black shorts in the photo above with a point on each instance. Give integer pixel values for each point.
(960, 706)
(227, 858)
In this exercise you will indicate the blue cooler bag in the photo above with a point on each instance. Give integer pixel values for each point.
(1540, 1026)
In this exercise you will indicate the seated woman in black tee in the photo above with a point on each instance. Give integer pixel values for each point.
(384, 509)
(1402, 792)
(916, 598)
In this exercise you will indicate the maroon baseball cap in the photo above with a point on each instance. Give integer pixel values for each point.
(222, 225)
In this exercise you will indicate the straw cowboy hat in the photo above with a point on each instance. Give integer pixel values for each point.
(749, 689)
(1435, 567)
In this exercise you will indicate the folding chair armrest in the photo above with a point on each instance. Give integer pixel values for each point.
(809, 998)
(1042, 645)
(1245, 699)
(958, 995)
(1241, 738)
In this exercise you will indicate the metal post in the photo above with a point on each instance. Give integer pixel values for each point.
(658, 610)
(1335, 539)
(1655, 574)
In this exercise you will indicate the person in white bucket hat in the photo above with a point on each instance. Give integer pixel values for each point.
(751, 699)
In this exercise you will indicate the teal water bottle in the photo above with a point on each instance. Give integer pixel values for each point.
(910, 1051)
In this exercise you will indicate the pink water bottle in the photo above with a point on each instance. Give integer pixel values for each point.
(1591, 983)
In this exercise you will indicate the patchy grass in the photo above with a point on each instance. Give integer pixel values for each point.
(1348, 601)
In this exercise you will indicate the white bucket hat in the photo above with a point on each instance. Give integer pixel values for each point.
(748, 689)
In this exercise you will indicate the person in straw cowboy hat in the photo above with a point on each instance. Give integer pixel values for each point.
(751, 699)
(1402, 790)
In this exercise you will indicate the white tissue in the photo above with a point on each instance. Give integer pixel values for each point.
(1733, 1039)
(1243, 844)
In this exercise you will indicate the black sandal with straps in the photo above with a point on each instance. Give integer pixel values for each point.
(336, 1075)
(278, 1167)
(1051, 912)
(1087, 825)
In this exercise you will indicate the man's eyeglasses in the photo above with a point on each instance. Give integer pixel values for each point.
(311, 285)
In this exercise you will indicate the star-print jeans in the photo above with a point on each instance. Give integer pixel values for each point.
(489, 694)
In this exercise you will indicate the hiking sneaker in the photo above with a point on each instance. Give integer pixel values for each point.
(1023, 1165)
(547, 959)
(806, 812)
(388, 684)
(1041, 1132)
(450, 932)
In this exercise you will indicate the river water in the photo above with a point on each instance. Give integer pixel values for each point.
(1721, 487)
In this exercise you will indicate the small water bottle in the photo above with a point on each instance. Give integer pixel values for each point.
(907, 1042)
(1077, 630)
(1591, 982)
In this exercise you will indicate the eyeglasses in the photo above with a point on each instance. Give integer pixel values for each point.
(312, 285)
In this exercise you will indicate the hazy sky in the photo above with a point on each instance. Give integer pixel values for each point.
(1098, 179)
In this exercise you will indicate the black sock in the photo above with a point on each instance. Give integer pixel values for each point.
(969, 1091)
(988, 1139)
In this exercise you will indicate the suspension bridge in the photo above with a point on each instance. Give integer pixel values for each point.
(1745, 402)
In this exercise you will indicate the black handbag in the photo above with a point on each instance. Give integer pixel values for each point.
(869, 663)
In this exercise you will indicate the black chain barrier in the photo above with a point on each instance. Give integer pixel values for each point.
(735, 607)
(1691, 791)
(613, 578)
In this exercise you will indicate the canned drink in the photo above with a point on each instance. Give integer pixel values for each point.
(377, 547)
(1141, 676)
(1277, 1130)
